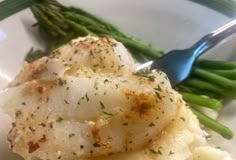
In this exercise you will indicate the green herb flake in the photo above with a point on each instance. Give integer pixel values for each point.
(86, 96)
(76, 51)
(171, 153)
(117, 86)
(158, 95)
(113, 44)
(66, 64)
(70, 43)
(151, 124)
(182, 118)
(71, 135)
(55, 73)
(96, 65)
(208, 136)
(106, 80)
(151, 78)
(166, 77)
(59, 119)
(96, 85)
(96, 144)
(66, 102)
(58, 52)
(94, 70)
(158, 88)
(81, 146)
(91, 53)
(23, 103)
(119, 56)
(113, 64)
(145, 106)
(104, 112)
(102, 105)
(99, 50)
(145, 75)
(156, 152)
(61, 82)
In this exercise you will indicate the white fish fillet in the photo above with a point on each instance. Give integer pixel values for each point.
(86, 102)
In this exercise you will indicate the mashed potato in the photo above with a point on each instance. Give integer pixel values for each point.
(85, 101)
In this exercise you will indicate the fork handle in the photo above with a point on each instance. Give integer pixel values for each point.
(212, 39)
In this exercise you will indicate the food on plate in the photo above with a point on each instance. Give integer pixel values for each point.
(85, 101)
(208, 84)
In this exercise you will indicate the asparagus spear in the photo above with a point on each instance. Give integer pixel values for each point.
(216, 64)
(228, 85)
(212, 124)
(205, 85)
(229, 73)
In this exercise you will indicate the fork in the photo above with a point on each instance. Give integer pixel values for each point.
(177, 64)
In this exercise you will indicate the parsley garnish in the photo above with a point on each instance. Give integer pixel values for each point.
(151, 124)
(58, 52)
(86, 96)
(156, 152)
(182, 118)
(61, 82)
(158, 95)
(102, 105)
(59, 119)
(71, 135)
(146, 106)
(96, 144)
(158, 88)
(110, 114)
(171, 152)
(66, 102)
(145, 75)
(106, 80)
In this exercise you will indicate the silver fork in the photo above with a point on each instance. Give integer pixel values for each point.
(177, 64)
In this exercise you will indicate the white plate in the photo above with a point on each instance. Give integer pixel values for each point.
(166, 24)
